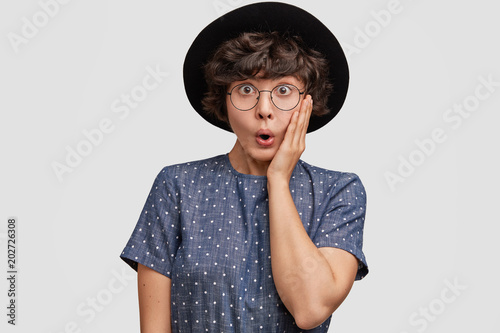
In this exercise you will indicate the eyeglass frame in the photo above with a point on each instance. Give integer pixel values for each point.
(269, 91)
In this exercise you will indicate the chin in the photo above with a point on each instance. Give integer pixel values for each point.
(264, 155)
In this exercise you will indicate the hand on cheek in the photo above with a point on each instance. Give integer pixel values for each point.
(293, 144)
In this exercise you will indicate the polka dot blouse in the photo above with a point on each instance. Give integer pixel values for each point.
(206, 226)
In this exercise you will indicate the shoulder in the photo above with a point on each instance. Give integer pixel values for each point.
(184, 170)
(325, 175)
(172, 180)
(332, 181)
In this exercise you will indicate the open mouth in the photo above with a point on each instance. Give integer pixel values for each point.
(265, 138)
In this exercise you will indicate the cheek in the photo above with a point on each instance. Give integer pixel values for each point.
(283, 120)
(237, 120)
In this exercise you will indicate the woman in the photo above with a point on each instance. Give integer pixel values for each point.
(256, 239)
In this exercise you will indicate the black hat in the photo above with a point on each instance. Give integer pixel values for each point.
(266, 17)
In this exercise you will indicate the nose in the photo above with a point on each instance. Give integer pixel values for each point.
(264, 108)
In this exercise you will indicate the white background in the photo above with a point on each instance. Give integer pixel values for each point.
(436, 228)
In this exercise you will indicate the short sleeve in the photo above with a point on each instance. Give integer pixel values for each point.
(156, 237)
(343, 220)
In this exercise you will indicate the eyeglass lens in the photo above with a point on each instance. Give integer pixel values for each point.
(245, 96)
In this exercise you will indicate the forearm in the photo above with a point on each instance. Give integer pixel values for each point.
(154, 301)
(302, 275)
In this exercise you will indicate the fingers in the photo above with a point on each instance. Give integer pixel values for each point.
(307, 114)
(302, 122)
(297, 128)
(293, 144)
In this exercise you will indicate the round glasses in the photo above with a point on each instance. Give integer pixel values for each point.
(284, 96)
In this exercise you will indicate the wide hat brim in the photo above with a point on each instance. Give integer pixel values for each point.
(266, 17)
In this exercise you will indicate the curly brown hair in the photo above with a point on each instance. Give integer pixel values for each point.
(272, 56)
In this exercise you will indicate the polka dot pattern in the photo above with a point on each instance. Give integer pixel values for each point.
(206, 226)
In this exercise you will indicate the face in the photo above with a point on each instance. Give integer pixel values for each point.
(261, 129)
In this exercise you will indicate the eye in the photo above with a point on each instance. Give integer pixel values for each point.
(283, 90)
(246, 90)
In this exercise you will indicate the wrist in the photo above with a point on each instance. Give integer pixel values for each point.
(278, 183)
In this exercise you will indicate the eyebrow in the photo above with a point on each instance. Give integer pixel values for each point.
(277, 82)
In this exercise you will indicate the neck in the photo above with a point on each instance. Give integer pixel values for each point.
(246, 164)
